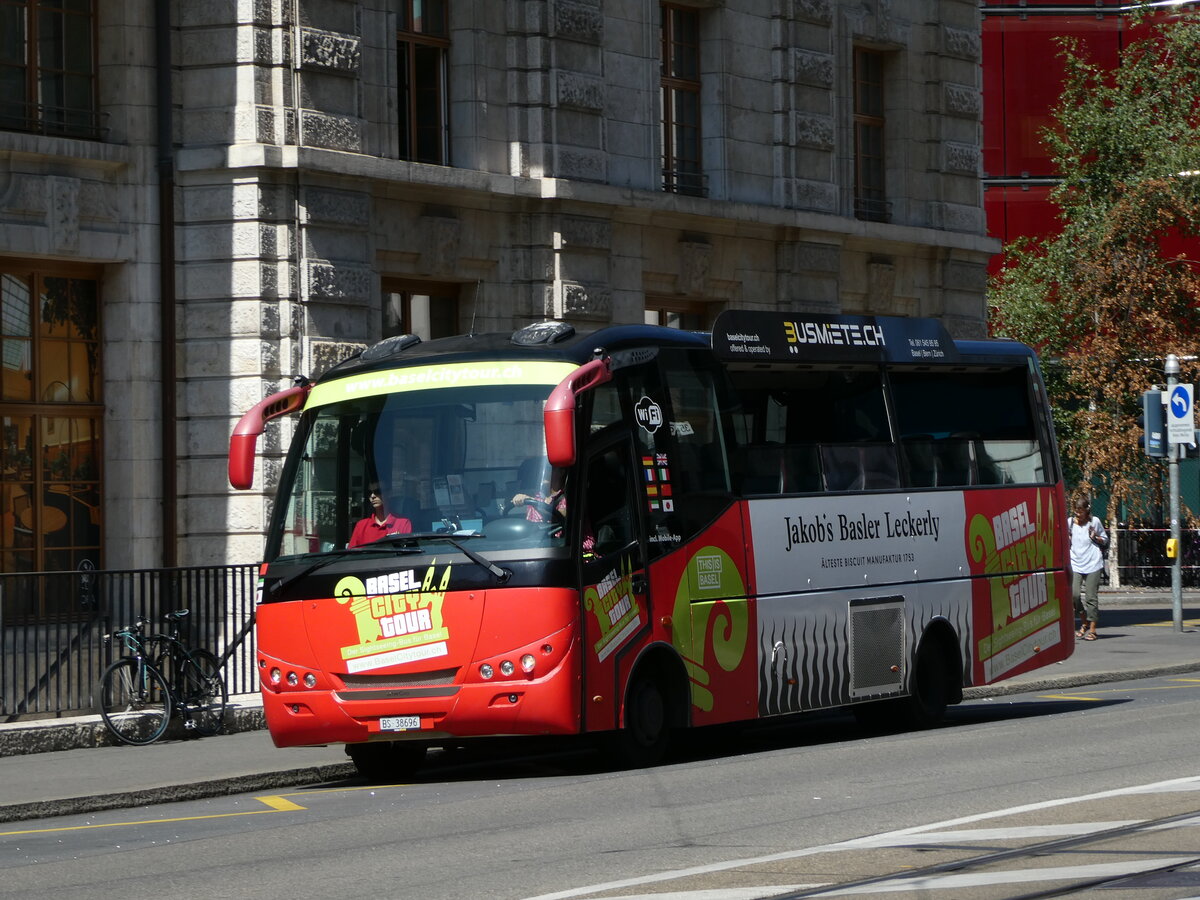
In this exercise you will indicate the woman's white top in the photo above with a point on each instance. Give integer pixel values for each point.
(1085, 555)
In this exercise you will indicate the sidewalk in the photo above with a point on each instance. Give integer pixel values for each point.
(40, 777)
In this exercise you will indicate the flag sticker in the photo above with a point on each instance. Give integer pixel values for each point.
(658, 482)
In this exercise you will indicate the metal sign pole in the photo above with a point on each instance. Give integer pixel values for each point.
(1173, 449)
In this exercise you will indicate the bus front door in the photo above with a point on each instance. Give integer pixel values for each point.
(616, 610)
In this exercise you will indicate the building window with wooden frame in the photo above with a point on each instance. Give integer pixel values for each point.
(688, 315)
(422, 45)
(426, 310)
(680, 127)
(48, 67)
(52, 413)
(870, 195)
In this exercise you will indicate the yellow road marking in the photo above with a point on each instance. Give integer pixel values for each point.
(1069, 697)
(1192, 622)
(282, 804)
(252, 812)
(1183, 682)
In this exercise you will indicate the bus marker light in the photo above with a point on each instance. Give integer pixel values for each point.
(486, 671)
(597, 699)
(527, 662)
(507, 667)
(547, 649)
(895, 668)
(666, 621)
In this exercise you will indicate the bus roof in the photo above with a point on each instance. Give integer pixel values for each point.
(739, 339)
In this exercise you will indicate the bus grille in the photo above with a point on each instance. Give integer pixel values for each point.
(416, 679)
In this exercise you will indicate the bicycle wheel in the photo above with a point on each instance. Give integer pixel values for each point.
(134, 701)
(202, 691)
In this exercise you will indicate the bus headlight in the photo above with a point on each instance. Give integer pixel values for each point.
(486, 671)
(527, 662)
(276, 676)
(507, 668)
(310, 680)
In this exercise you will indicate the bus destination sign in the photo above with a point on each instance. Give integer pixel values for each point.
(756, 337)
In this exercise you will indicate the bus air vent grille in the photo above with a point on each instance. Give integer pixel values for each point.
(876, 647)
(416, 679)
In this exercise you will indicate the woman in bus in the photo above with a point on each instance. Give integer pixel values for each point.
(380, 523)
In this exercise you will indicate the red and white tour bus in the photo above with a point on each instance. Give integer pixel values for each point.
(637, 530)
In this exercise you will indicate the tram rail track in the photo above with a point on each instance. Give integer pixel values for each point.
(910, 878)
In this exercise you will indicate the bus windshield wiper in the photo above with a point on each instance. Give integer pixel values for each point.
(328, 558)
(501, 575)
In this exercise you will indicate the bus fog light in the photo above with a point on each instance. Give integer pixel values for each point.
(310, 680)
(486, 671)
(527, 662)
(276, 676)
(507, 667)
(293, 679)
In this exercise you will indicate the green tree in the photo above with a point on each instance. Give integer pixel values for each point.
(1106, 299)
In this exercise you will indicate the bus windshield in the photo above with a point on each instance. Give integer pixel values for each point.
(429, 461)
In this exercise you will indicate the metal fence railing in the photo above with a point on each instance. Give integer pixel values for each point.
(1138, 557)
(52, 628)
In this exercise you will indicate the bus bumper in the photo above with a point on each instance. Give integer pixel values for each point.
(543, 703)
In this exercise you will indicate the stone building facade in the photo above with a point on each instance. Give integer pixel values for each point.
(341, 169)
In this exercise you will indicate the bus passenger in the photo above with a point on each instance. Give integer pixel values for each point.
(380, 523)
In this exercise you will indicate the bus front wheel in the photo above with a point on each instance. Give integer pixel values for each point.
(646, 735)
(386, 761)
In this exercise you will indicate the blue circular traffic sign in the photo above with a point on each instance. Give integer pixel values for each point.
(1181, 402)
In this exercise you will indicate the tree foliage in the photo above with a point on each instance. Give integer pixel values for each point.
(1107, 298)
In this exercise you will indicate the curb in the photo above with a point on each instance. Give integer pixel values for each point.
(1079, 680)
(85, 732)
(203, 790)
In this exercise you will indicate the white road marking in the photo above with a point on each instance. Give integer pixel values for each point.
(1191, 783)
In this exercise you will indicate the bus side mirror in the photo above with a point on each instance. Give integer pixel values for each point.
(559, 414)
(243, 445)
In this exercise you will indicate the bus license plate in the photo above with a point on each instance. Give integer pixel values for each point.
(400, 723)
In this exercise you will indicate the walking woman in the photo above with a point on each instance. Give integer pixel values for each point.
(1088, 539)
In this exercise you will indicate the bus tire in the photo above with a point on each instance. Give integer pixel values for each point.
(646, 735)
(926, 705)
(386, 761)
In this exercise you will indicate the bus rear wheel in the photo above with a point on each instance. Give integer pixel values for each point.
(386, 761)
(925, 707)
(931, 689)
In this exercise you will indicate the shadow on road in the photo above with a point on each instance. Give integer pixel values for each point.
(511, 758)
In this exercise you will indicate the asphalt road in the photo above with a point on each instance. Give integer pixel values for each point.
(759, 812)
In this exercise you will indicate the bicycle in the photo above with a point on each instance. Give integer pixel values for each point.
(158, 675)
